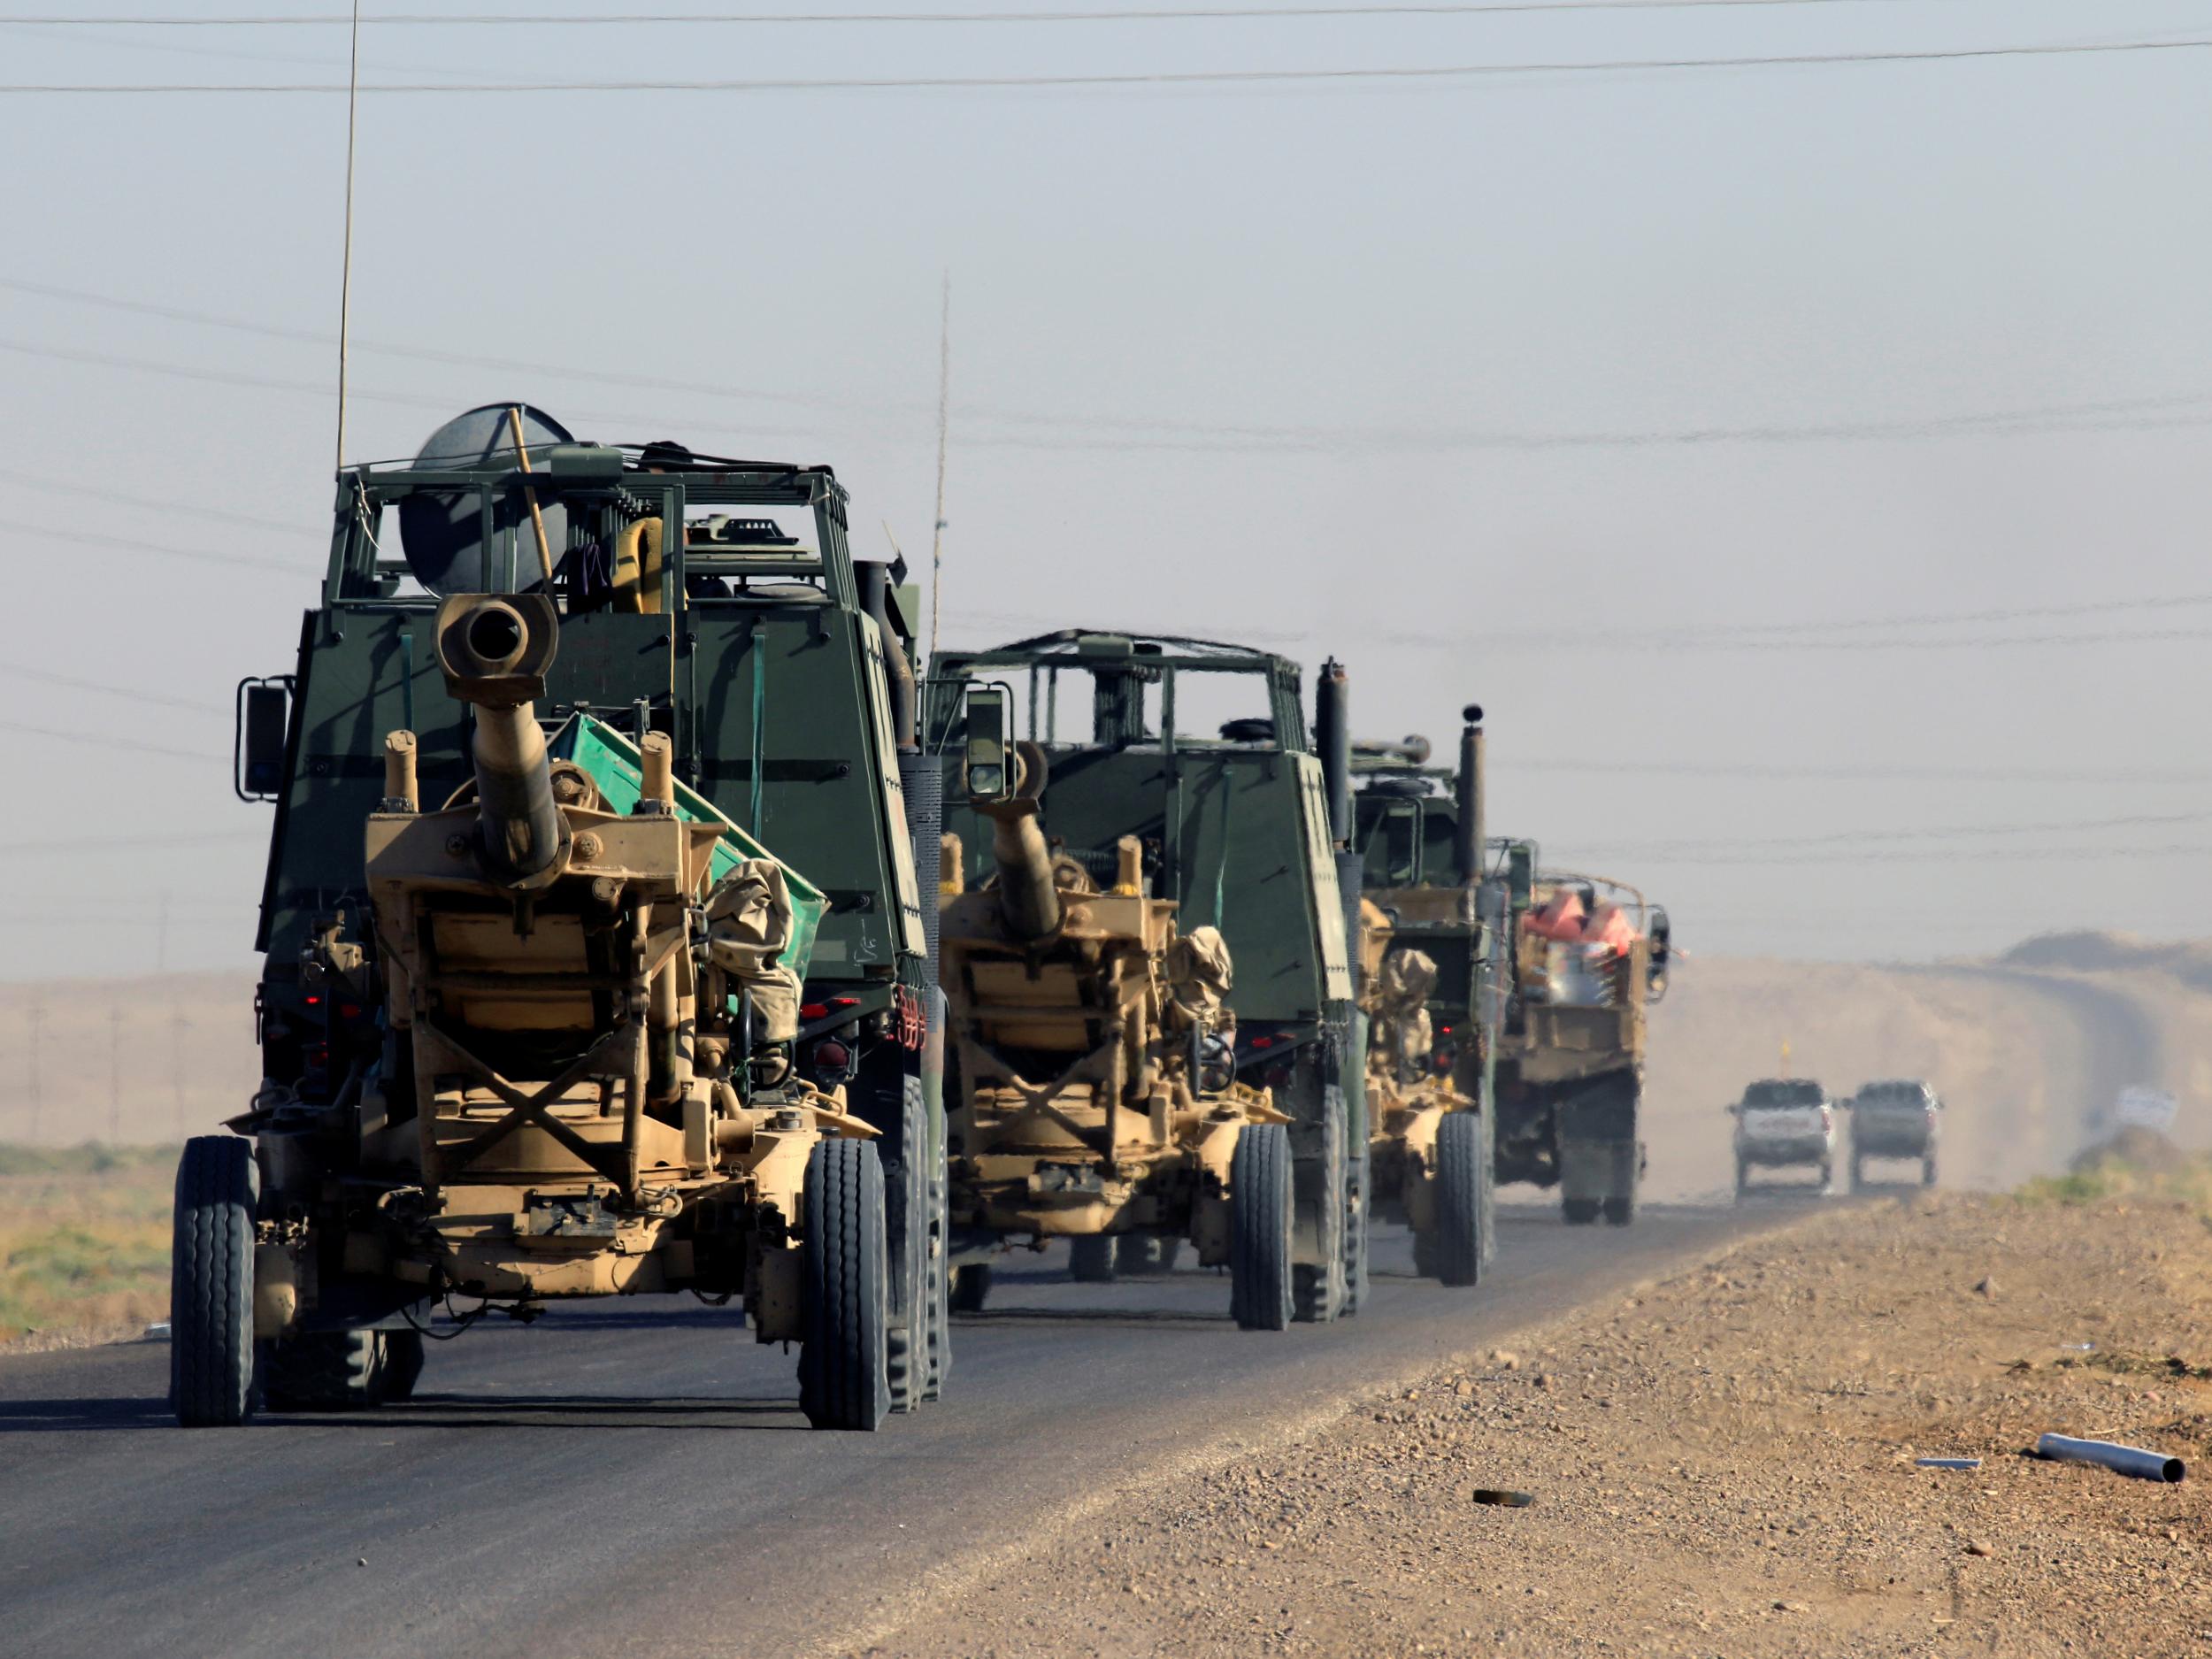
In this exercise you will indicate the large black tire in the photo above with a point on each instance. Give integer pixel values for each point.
(1358, 1184)
(1928, 1170)
(324, 1371)
(1620, 1211)
(904, 1153)
(1091, 1258)
(211, 1284)
(1858, 1171)
(1460, 1193)
(1319, 1287)
(1260, 1277)
(1145, 1254)
(1743, 1180)
(971, 1287)
(1827, 1178)
(937, 1276)
(844, 1375)
(1579, 1212)
(402, 1364)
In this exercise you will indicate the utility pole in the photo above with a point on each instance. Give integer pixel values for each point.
(115, 1076)
(36, 1017)
(178, 1026)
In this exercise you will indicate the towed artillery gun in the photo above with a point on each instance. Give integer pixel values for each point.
(1541, 978)
(1232, 831)
(1094, 1055)
(574, 1032)
(1430, 1143)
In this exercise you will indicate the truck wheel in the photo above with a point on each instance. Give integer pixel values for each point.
(844, 1376)
(402, 1364)
(1260, 1277)
(1579, 1212)
(1827, 1178)
(1459, 1200)
(1620, 1209)
(324, 1371)
(937, 1279)
(1928, 1171)
(1858, 1171)
(211, 1284)
(1145, 1254)
(971, 1287)
(1091, 1258)
(1317, 1288)
(1743, 1180)
(1359, 1180)
(895, 1105)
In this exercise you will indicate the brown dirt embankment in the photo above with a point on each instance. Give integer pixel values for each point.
(1722, 1465)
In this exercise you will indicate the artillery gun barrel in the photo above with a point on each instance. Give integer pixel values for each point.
(1028, 898)
(1028, 901)
(494, 653)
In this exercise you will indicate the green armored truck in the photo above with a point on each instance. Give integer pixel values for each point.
(594, 958)
(1178, 772)
(1543, 977)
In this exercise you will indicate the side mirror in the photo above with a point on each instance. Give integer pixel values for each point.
(989, 771)
(257, 743)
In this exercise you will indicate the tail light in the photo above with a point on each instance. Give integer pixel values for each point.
(1827, 1117)
(833, 1060)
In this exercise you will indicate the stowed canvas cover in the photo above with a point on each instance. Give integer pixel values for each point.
(613, 761)
(1199, 977)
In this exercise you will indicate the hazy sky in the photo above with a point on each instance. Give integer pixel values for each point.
(1537, 390)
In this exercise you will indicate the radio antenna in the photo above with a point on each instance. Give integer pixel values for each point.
(345, 279)
(944, 391)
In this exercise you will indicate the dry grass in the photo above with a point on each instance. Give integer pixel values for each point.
(84, 1239)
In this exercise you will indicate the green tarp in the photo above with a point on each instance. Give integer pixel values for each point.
(613, 761)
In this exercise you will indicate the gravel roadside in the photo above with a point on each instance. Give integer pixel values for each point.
(1721, 1465)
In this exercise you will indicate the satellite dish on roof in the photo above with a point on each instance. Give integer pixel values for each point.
(441, 532)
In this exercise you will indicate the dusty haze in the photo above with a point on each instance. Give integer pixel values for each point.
(1538, 390)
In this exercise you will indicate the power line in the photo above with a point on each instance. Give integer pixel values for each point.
(1693, 634)
(1997, 641)
(1176, 14)
(1950, 831)
(1149, 433)
(128, 544)
(1763, 772)
(15, 670)
(1153, 78)
(107, 497)
(2006, 855)
(90, 739)
(110, 843)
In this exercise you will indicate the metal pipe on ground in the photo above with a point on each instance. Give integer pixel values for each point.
(2125, 1460)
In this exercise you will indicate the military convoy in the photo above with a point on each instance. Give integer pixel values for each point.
(1220, 835)
(596, 961)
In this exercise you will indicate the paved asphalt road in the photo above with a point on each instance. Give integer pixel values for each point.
(634, 1477)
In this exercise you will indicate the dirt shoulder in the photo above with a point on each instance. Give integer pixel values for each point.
(1723, 1464)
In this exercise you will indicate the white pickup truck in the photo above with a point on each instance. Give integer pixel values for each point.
(1785, 1123)
(1894, 1119)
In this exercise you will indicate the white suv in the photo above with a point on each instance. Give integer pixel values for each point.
(1785, 1123)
